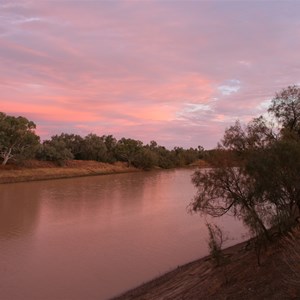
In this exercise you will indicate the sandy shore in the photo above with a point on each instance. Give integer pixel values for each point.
(278, 277)
(35, 170)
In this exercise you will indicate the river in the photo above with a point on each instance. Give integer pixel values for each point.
(96, 237)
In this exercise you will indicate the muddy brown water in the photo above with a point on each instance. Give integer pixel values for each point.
(96, 237)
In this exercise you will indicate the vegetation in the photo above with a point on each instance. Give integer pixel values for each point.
(255, 174)
(18, 142)
(54, 150)
(17, 138)
(215, 243)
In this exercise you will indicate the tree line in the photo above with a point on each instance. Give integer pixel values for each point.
(19, 142)
(255, 172)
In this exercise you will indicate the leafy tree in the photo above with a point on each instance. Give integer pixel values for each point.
(234, 138)
(184, 157)
(179, 156)
(201, 152)
(94, 148)
(17, 138)
(276, 173)
(286, 108)
(145, 159)
(256, 135)
(190, 155)
(255, 173)
(73, 142)
(111, 144)
(227, 189)
(153, 145)
(166, 159)
(163, 157)
(128, 149)
(55, 150)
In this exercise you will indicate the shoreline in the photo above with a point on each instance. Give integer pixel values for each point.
(41, 170)
(144, 290)
(241, 278)
(37, 171)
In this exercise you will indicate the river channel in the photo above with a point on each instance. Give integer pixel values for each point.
(96, 237)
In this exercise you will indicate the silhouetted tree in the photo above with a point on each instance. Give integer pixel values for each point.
(286, 108)
(255, 171)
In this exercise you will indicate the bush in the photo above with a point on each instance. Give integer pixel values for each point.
(55, 151)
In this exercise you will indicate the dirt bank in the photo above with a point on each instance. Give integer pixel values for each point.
(278, 277)
(37, 170)
(33, 170)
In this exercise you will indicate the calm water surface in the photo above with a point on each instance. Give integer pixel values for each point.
(95, 237)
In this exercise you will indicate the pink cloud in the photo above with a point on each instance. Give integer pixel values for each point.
(153, 70)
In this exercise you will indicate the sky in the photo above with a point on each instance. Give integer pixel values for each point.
(177, 72)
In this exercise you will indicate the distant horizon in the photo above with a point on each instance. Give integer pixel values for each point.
(104, 134)
(178, 73)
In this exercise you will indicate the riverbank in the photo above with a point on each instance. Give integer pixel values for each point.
(278, 277)
(38, 170)
(34, 170)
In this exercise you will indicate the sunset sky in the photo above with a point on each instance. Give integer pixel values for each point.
(178, 72)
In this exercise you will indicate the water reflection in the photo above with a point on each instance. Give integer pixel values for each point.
(19, 211)
(94, 237)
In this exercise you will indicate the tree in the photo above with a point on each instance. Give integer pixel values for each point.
(235, 138)
(145, 159)
(17, 138)
(286, 108)
(255, 174)
(153, 145)
(256, 135)
(128, 149)
(276, 173)
(201, 152)
(94, 148)
(166, 159)
(55, 150)
(179, 156)
(227, 189)
(110, 143)
(73, 142)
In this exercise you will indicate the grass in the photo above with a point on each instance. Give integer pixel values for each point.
(34, 170)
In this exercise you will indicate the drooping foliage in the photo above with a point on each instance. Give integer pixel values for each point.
(255, 170)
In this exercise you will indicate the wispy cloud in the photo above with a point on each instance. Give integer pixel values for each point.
(176, 72)
(233, 86)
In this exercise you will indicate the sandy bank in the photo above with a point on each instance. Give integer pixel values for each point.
(278, 277)
(35, 170)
